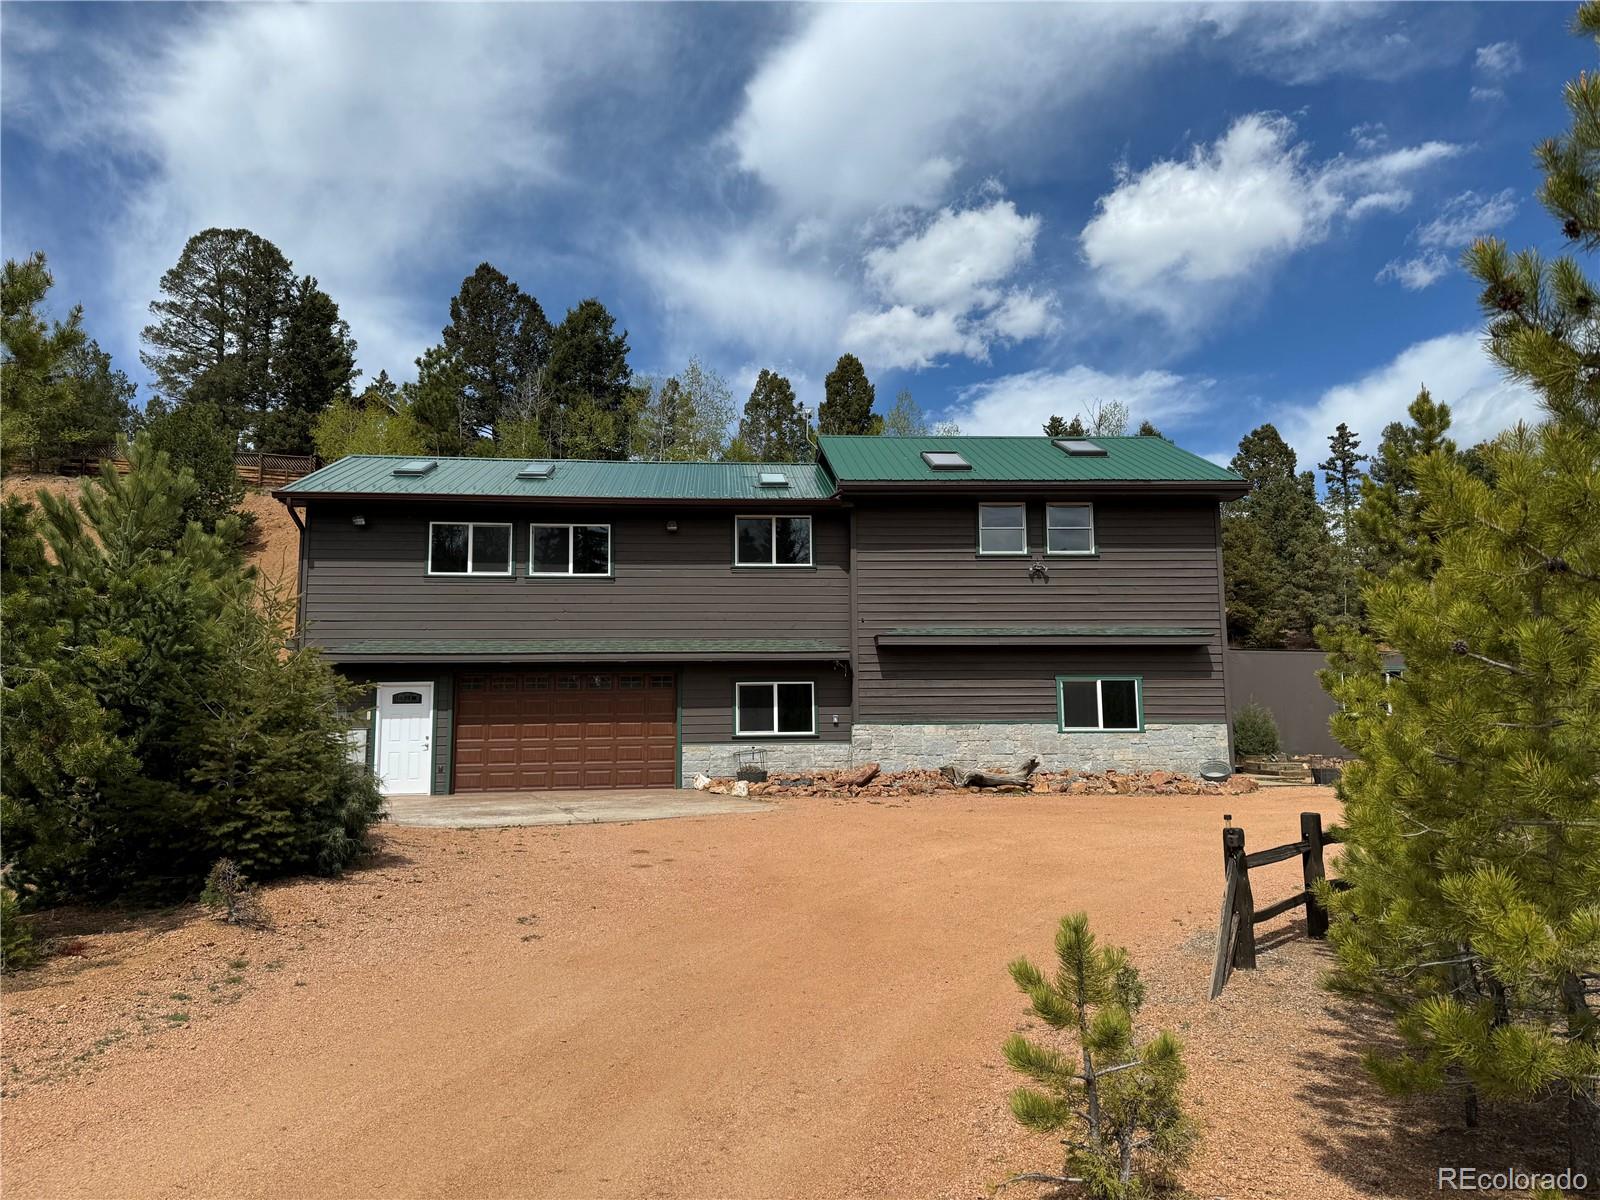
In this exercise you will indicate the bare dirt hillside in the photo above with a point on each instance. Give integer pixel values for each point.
(274, 549)
(804, 1002)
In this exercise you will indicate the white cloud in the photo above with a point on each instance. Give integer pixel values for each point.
(345, 135)
(1021, 315)
(1414, 274)
(1166, 238)
(1467, 217)
(1454, 368)
(743, 291)
(942, 289)
(1499, 59)
(1370, 135)
(956, 261)
(865, 106)
(1023, 402)
(1461, 219)
(1487, 95)
(903, 337)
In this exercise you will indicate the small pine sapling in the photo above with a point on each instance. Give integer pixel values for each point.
(1254, 731)
(1117, 1102)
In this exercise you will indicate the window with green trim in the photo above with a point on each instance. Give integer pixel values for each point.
(1111, 704)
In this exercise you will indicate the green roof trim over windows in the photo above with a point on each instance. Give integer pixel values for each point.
(855, 459)
(513, 479)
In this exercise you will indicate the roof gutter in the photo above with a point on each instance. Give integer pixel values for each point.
(747, 502)
(1222, 489)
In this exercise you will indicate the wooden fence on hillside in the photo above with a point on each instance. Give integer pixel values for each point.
(1236, 934)
(262, 470)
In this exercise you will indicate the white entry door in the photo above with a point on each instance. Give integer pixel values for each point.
(405, 733)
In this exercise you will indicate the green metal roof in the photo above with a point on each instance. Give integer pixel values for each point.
(1017, 460)
(1034, 635)
(577, 649)
(494, 478)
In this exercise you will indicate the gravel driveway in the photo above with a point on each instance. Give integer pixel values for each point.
(808, 1002)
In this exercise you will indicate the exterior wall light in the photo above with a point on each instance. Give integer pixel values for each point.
(358, 521)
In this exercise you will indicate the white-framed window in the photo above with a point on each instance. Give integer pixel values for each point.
(772, 541)
(1111, 703)
(774, 709)
(1069, 529)
(569, 550)
(1002, 529)
(468, 548)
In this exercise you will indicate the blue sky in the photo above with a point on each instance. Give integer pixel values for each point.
(1219, 214)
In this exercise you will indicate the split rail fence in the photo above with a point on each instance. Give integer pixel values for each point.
(1236, 936)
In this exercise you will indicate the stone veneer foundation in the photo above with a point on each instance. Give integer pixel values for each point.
(1176, 747)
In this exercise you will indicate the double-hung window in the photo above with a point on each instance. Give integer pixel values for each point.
(468, 548)
(1069, 528)
(1002, 529)
(772, 541)
(774, 710)
(1100, 704)
(570, 550)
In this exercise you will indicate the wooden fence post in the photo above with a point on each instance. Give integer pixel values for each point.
(1244, 949)
(1313, 870)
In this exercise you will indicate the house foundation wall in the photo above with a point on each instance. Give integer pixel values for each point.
(1158, 747)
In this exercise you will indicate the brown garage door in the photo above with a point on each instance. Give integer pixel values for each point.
(522, 730)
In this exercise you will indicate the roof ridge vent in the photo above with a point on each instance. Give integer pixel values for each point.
(1079, 447)
(416, 466)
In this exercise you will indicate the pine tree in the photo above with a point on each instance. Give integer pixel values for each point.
(314, 366)
(1275, 547)
(193, 439)
(1390, 523)
(216, 325)
(1146, 429)
(594, 403)
(847, 401)
(382, 392)
(1472, 841)
(1342, 475)
(152, 722)
(1056, 427)
(905, 419)
(434, 402)
(63, 398)
(499, 336)
(774, 429)
(1118, 1102)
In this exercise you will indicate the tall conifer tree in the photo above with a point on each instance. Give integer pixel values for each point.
(1472, 841)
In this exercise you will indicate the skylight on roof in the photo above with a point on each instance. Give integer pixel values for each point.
(945, 460)
(1079, 448)
(416, 466)
(773, 479)
(537, 470)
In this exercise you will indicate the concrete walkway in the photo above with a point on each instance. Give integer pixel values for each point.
(487, 809)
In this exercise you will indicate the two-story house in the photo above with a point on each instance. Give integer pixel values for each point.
(910, 601)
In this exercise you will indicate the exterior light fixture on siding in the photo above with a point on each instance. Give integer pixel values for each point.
(672, 527)
(358, 521)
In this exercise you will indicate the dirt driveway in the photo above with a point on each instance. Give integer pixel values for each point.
(808, 1002)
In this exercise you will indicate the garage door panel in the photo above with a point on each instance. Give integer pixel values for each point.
(577, 728)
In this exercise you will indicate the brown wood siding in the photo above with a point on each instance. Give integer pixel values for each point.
(373, 582)
(707, 697)
(917, 564)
